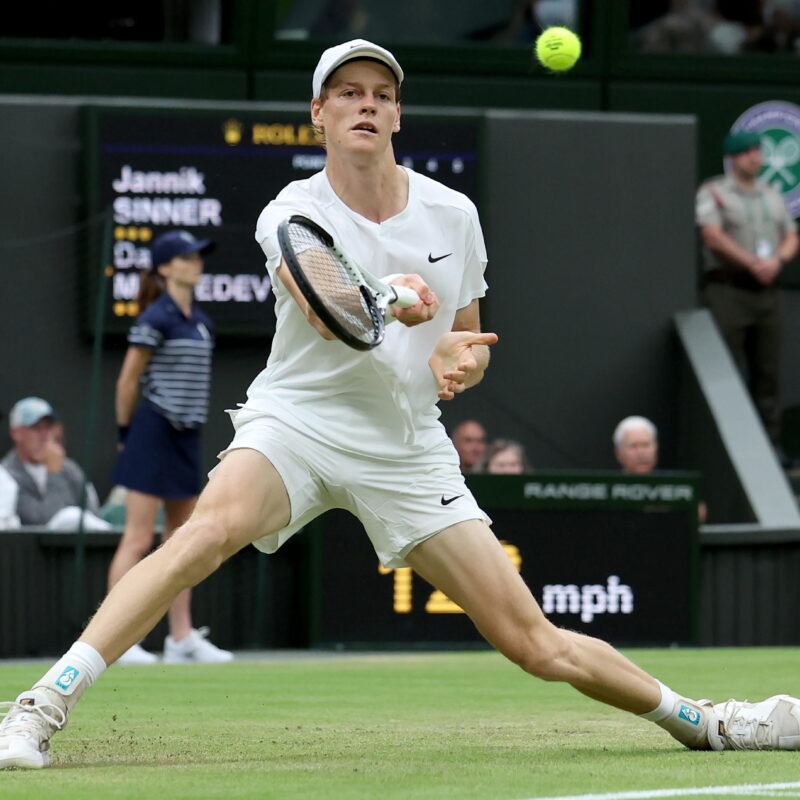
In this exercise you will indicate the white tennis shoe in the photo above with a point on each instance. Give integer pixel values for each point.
(137, 655)
(194, 649)
(28, 724)
(772, 724)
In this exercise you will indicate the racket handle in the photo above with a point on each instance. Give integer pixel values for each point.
(405, 297)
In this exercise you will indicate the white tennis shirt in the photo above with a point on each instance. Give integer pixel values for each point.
(383, 402)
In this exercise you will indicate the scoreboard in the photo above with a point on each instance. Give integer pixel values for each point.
(610, 555)
(211, 172)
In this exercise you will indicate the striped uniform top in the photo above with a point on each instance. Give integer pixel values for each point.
(177, 379)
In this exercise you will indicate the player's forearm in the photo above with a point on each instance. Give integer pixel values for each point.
(316, 323)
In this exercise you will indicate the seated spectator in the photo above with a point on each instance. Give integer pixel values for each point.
(469, 438)
(636, 445)
(50, 486)
(636, 448)
(506, 457)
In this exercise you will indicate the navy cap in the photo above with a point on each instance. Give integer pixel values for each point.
(177, 243)
(740, 142)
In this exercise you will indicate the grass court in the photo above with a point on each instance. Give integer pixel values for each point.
(432, 726)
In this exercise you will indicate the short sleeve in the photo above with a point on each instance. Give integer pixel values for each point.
(149, 329)
(144, 334)
(706, 207)
(267, 232)
(473, 284)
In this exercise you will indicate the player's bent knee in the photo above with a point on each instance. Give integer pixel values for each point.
(196, 550)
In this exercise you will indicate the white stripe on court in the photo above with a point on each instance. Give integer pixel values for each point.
(759, 789)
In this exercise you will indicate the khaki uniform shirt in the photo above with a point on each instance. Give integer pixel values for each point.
(757, 219)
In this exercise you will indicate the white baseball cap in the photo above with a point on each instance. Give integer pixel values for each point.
(334, 57)
(29, 411)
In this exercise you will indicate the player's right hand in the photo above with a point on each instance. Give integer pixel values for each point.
(420, 312)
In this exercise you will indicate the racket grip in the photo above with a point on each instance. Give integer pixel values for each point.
(405, 297)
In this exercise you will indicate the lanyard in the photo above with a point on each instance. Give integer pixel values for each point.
(763, 244)
(749, 206)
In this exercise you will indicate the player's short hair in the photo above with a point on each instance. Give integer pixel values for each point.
(327, 83)
(633, 423)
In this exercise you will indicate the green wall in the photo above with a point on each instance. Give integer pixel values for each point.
(254, 67)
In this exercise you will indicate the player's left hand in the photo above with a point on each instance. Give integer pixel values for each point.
(420, 312)
(454, 363)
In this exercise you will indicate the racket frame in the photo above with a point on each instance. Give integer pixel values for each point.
(377, 295)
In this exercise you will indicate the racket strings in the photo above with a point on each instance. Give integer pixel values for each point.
(329, 279)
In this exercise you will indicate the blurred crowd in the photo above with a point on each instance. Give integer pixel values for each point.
(724, 27)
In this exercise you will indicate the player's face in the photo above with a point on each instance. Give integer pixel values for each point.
(360, 111)
(33, 441)
(184, 270)
(638, 452)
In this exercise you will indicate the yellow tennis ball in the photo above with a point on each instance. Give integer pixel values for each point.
(558, 49)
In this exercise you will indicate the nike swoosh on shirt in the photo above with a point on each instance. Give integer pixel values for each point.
(447, 501)
(438, 258)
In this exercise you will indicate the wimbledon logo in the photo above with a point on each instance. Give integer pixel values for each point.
(778, 124)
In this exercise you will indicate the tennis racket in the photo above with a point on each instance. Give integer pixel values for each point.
(352, 304)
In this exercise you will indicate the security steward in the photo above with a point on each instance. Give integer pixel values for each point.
(748, 237)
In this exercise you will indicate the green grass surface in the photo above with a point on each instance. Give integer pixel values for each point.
(391, 726)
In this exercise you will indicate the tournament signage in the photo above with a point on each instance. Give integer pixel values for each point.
(211, 173)
(778, 123)
(609, 555)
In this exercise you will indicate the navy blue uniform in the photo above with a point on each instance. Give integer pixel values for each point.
(162, 450)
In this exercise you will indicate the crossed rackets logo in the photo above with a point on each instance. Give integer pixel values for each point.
(778, 124)
(781, 151)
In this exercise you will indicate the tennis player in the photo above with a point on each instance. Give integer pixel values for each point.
(326, 426)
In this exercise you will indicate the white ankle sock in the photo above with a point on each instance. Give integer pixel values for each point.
(664, 708)
(73, 673)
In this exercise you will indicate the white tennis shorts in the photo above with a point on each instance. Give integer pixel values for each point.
(400, 502)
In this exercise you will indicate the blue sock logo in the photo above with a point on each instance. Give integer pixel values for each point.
(67, 677)
(691, 715)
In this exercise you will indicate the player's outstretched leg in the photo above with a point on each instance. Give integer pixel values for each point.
(468, 564)
(245, 498)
